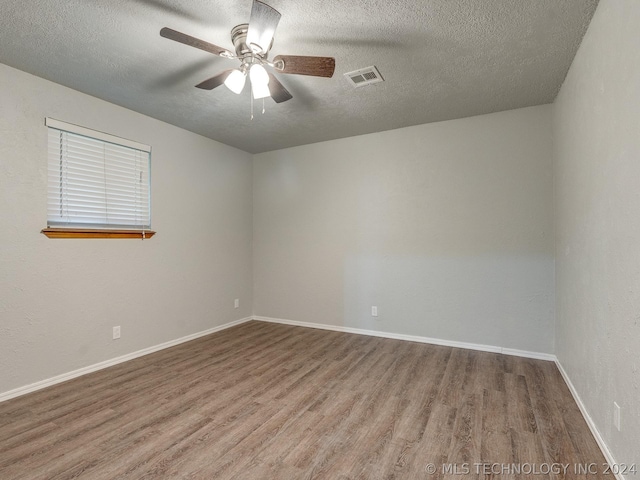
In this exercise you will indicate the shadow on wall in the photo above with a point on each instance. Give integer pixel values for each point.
(505, 301)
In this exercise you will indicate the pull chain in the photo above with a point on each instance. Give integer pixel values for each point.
(263, 107)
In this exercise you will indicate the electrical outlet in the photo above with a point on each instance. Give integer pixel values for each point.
(116, 333)
(616, 415)
(236, 303)
(374, 311)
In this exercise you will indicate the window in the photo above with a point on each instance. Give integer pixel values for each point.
(98, 184)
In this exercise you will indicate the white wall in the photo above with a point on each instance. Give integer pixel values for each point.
(597, 171)
(60, 298)
(446, 227)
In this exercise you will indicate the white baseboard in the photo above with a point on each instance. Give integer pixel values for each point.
(413, 338)
(114, 361)
(592, 426)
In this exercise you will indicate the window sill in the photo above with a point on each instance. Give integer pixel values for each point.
(96, 233)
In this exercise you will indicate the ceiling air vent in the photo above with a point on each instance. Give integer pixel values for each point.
(364, 76)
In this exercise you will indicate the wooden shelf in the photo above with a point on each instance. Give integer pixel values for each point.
(96, 233)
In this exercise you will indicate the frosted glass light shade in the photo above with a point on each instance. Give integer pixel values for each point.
(259, 81)
(235, 81)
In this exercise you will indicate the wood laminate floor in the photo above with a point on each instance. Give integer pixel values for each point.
(265, 401)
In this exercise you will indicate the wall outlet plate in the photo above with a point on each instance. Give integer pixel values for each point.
(616, 415)
(116, 332)
(236, 303)
(374, 311)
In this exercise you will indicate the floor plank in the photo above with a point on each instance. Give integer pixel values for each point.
(266, 401)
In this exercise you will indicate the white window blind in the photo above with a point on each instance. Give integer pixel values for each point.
(96, 180)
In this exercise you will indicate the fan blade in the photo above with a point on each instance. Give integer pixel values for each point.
(194, 42)
(216, 81)
(300, 65)
(262, 26)
(277, 90)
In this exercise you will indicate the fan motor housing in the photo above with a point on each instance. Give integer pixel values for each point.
(239, 40)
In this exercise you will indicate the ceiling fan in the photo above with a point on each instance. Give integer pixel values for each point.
(252, 43)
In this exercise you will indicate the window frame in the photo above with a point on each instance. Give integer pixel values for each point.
(93, 230)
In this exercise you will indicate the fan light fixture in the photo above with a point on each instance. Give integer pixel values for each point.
(235, 81)
(259, 81)
(252, 43)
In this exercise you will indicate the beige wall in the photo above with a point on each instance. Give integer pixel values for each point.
(597, 171)
(60, 298)
(446, 227)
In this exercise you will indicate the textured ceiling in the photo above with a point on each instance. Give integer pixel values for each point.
(441, 59)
